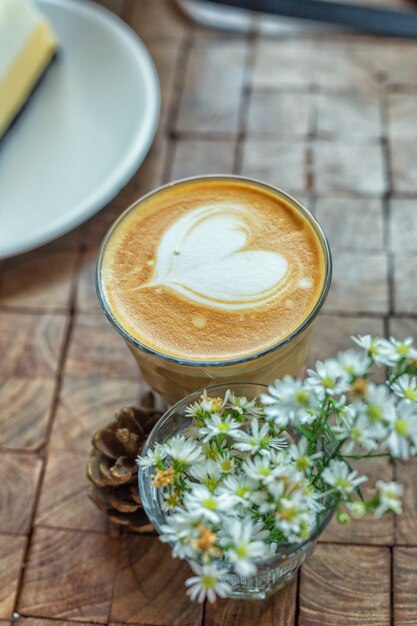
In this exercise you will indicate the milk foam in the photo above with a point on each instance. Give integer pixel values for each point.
(203, 257)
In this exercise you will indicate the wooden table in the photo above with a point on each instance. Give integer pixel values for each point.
(329, 117)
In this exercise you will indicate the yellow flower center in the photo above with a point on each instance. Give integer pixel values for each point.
(208, 582)
(401, 427)
(210, 504)
(410, 394)
(302, 463)
(374, 412)
(342, 483)
(242, 550)
(301, 397)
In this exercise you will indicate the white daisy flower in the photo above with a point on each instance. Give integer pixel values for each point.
(294, 518)
(360, 431)
(340, 477)
(226, 462)
(298, 454)
(260, 468)
(258, 439)
(152, 457)
(179, 529)
(372, 345)
(242, 404)
(201, 502)
(216, 425)
(405, 387)
(394, 350)
(353, 363)
(290, 401)
(184, 450)
(207, 473)
(328, 378)
(211, 405)
(207, 583)
(243, 543)
(379, 405)
(402, 435)
(240, 488)
(389, 497)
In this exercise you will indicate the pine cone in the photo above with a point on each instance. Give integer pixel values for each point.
(112, 466)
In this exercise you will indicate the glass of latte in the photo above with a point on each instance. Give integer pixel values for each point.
(214, 279)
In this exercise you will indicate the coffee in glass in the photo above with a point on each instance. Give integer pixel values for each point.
(212, 280)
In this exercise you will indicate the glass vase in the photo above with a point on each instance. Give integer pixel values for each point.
(273, 573)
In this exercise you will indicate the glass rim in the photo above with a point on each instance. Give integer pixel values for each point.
(152, 438)
(224, 362)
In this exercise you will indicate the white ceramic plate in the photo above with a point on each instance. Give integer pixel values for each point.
(85, 131)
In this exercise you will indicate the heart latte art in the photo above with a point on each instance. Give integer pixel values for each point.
(212, 269)
(204, 257)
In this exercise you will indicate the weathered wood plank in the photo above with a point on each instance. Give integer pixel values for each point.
(360, 284)
(210, 101)
(406, 524)
(69, 575)
(64, 502)
(12, 550)
(86, 405)
(97, 349)
(25, 406)
(19, 478)
(149, 587)
(346, 586)
(30, 345)
(278, 610)
(405, 585)
(39, 280)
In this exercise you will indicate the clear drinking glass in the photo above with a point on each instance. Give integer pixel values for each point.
(272, 574)
(174, 377)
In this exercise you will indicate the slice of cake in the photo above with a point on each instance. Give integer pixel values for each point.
(27, 45)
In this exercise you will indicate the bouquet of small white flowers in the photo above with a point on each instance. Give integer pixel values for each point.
(253, 475)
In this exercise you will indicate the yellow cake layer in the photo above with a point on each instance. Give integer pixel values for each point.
(28, 67)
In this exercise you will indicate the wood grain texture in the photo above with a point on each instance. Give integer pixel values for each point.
(87, 404)
(351, 223)
(195, 156)
(349, 115)
(39, 280)
(339, 166)
(406, 524)
(39, 621)
(12, 550)
(97, 348)
(69, 575)
(214, 80)
(64, 502)
(19, 477)
(158, 19)
(278, 610)
(360, 284)
(405, 585)
(25, 407)
(403, 225)
(149, 587)
(272, 115)
(405, 297)
(30, 346)
(346, 586)
(280, 163)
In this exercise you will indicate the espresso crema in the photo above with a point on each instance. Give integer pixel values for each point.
(212, 270)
